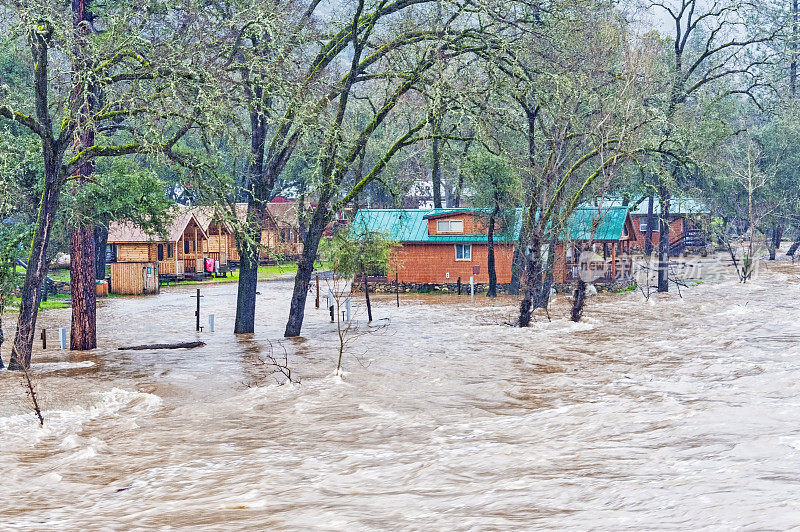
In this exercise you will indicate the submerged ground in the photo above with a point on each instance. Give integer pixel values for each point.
(672, 413)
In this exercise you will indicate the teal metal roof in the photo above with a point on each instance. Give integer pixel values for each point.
(411, 225)
(609, 223)
(677, 205)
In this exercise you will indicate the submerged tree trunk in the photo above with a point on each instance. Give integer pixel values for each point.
(663, 243)
(249, 240)
(248, 248)
(578, 301)
(100, 243)
(83, 330)
(533, 281)
(366, 295)
(305, 268)
(37, 267)
(492, 291)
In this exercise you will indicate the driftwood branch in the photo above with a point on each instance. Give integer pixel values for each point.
(179, 345)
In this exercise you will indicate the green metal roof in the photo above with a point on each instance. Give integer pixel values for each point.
(609, 221)
(411, 225)
(677, 205)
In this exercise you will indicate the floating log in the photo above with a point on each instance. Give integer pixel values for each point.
(179, 345)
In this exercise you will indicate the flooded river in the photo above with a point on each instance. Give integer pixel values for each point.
(673, 413)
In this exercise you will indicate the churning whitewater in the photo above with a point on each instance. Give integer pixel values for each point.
(669, 413)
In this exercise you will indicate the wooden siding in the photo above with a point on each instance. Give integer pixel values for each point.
(132, 278)
(133, 252)
(430, 263)
(675, 230)
(474, 224)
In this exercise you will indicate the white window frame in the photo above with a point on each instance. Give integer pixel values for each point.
(446, 226)
(643, 225)
(464, 247)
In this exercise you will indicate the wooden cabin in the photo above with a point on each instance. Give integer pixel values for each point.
(280, 236)
(596, 246)
(220, 244)
(180, 250)
(439, 246)
(689, 220)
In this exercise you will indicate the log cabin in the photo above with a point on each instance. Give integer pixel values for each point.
(439, 246)
(180, 250)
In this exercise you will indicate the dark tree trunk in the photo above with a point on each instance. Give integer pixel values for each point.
(100, 243)
(2, 339)
(648, 241)
(366, 295)
(52, 152)
(492, 291)
(533, 281)
(578, 301)
(83, 331)
(793, 47)
(249, 241)
(663, 243)
(305, 268)
(547, 284)
(436, 173)
(37, 266)
(248, 248)
(517, 266)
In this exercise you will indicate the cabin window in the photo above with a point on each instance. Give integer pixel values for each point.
(185, 247)
(161, 252)
(194, 245)
(169, 251)
(463, 251)
(643, 225)
(449, 226)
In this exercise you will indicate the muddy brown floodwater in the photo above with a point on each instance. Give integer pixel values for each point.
(669, 414)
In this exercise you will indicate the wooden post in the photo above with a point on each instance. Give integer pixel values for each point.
(44, 338)
(197, 312)
(613, 260)
(316, 301)
(397, 289)
(366, 294)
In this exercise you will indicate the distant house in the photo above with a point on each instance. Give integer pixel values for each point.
(442, 245)
(688, 224)
(280, 235)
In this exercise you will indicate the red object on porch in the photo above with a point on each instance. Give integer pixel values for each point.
(210, 265)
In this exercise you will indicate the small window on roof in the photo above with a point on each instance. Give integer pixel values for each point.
(449, 226)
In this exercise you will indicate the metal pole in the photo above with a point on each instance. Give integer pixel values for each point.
(397, 289)
(316, 301)
(472, 285)
(197, 312)
(62, 336)
(44, 338)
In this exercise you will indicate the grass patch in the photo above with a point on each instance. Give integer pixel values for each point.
(264, 273)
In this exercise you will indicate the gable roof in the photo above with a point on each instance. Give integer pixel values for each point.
(411, 225)
(129, 232)
(282, 213)
(610, 223)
